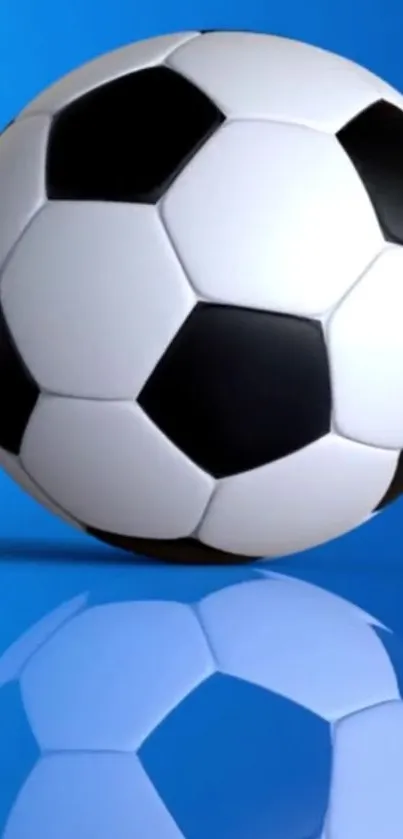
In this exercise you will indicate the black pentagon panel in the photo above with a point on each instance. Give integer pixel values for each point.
(240, 388)
(174, 551)
(374, 143)
(18, 390)
(395, 489)
(129, 139)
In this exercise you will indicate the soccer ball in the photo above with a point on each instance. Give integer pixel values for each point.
(201, 295)
(239, 704)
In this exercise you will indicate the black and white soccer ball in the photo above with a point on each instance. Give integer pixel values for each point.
(201, 351)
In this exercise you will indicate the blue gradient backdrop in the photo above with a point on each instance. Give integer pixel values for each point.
(40, 41)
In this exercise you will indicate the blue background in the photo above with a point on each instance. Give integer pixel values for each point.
(38, 43)
(42, 561)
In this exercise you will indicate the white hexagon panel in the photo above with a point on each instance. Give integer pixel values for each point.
(22, 178)
(86, 327)
(257, 76)
(239, 219)
(200, 295)
(367, 374)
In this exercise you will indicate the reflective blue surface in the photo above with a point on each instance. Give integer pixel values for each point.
(194, 703)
